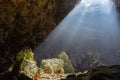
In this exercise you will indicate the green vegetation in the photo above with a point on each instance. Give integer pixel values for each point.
(25, 63)
(68, 67)
(25, 54)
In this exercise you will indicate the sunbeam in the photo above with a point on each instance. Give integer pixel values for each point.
(91, 26)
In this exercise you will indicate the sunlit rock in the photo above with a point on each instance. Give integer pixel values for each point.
(52, 65)
(29, 68)
(25, 64)
(61, 71)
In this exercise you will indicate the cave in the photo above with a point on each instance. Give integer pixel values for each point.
(75, 37)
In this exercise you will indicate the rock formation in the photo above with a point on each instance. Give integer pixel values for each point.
(52, 65)
(68, 67)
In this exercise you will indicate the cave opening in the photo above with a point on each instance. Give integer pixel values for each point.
(91, 28)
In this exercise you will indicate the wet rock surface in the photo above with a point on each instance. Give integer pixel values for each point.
(99, 73)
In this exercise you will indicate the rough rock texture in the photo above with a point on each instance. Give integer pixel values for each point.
(54, 65)
(26, 68)
(25, 23)
(25, 64)
(29, 68)
(99, 73)
(68, 67)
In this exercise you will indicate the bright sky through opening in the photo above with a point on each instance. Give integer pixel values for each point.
(105, 5)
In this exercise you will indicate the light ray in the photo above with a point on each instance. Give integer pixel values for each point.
(92, 26)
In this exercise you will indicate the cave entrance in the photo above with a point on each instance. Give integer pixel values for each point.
(91, 28)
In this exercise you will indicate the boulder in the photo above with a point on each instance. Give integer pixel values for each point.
(29, 68)
(103, 73)
(99, 73)
(52, 65)
(25, 64)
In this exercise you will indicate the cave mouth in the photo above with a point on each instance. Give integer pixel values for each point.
(91, 28)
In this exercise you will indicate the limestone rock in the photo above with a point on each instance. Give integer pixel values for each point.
(105, 73)
(25, 64)
(52, 65)
(29, 68)
(99, 73)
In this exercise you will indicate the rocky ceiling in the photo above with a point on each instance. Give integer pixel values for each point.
(25, 23)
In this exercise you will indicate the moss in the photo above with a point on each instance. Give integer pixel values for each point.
(68, 67)
(25, 54)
